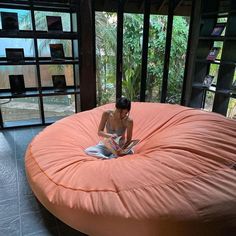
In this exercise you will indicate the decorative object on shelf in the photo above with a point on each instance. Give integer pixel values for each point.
(208, 81)
(54, 23)
(57, 52)
(15, 54)
(218, 29)
(17, 84)
(213, 53)
(9, 21)
(59, 83)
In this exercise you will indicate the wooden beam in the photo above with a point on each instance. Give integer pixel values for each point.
(87, 55)
(191, 52)
(177, 4)
(160, 5)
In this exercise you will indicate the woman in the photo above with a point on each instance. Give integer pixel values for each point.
(117, 123)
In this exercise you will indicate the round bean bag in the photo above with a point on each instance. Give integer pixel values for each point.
(181, 180)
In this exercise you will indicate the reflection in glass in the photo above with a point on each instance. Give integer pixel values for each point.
(106, 24)
(24, 18)
(56, 107)
(231, 113)
(26, 44)
(132, 55)
(156, 53)
(28, 71)
(20, 109)
(179, 43)
(47, 71)
(44, 50)
(209, 101)
(41, 22)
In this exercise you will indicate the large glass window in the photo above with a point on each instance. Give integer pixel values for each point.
(156, 53)
(132, 55)
(21, 110)
(179, 43)
(41, 22)
(48, 70)
(57, 107)
(24, 18)
(106, 24)
(29, 73)
(44, 49)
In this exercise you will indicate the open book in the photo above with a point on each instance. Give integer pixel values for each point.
(116, 145)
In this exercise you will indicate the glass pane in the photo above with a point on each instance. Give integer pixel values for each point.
(156, 53)
(231, 113)
(106, 24)
(21, 109)
(56, 107)
(44, 50)
(26, 44)
(220, 45)
(214, 70)
(28, 71)
(132, 55)
(179, 45)
(209, 101)
(47, 71)
(41, 22)
(24, 18)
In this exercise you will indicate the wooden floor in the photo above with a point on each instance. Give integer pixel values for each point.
(20, 212)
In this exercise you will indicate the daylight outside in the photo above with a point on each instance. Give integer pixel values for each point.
(106, 41)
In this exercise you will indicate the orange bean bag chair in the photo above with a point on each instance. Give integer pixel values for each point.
(181, 180)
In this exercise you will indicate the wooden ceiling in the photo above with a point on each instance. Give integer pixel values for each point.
(182, 7)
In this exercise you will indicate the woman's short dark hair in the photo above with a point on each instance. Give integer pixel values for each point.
(123, 103)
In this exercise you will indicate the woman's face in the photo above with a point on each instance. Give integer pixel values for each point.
(123, 113)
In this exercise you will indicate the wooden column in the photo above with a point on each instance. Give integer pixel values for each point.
(191, 52)
(87, 65)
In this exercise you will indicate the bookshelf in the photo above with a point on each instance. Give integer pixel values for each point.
(223, 67)
(40, 104)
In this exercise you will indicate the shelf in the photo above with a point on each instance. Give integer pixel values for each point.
(218, 62)
(41, 62)
(52, 92)
(217, 38)
(38, 34)
(35, 93)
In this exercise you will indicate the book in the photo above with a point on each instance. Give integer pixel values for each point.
(115, 145)
(59, 83)
(15, 54)
(207, 81)
(213, 53)
(9, 21)
(17, 84)
(218, 29)
(57, 52)
(54, 23)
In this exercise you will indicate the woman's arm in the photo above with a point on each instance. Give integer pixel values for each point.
(102, 124)
(129, 131)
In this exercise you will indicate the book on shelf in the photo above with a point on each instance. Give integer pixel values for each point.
(54, 23)
(115, 145)
(218, 29)
(59, 83)
(15, 54)
(207, 82)
(57, 52)
(9, 21)
(213, 53)
(17, 84)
